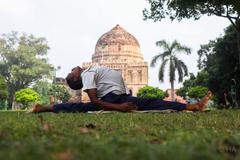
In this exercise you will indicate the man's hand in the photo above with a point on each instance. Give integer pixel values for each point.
(123, 107)
(127, 106)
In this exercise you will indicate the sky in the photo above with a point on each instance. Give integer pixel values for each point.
(72, 28)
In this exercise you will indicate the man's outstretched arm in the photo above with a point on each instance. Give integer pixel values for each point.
(123, 107)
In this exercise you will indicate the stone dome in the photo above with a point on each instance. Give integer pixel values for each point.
(117, 36)
(117, 45)
(119, 50)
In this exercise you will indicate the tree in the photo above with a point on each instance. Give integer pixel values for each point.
(3, 92)
(60, 93)
(22, 61)
(3, 89)
(200, 80)
(26, 96)
(169, 54)
(219, 60)
(180, 9)
(46, 89)
(43, 89)
(205, 53)
(151, 92)
(186, 85)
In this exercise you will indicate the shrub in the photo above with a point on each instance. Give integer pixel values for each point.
(42, 88)
(26, 96)
(46, 89)
(197, 92)
(151, 92)
(60, 92)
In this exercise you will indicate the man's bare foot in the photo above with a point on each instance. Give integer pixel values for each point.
(200, 106)
(35, 109)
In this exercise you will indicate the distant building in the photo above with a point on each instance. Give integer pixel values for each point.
(60, 80)
(119, 50)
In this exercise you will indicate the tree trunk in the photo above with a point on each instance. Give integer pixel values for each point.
(15, 105)
(9, 101)
(11, 93)
(238, 41)
(172, 91)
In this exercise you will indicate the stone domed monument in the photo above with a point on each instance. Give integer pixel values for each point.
(120, 50)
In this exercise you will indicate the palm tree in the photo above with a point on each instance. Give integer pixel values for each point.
(169, 55)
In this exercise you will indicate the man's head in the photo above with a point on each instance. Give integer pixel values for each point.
(74, 79)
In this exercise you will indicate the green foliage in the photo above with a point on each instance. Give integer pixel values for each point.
(180, 9)
(3, 89)
(197, 92)
(151, 92)
(182, 92)
(128, 136)
(219, 59)
(219, 63)
(205, 53)
(43, 89)
(169, 55)
(60, 92)
(26, 96)
(3, 93)
(22, 61)
(200, 80)
(46, 89)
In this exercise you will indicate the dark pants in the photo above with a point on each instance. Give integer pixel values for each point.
(142, 103)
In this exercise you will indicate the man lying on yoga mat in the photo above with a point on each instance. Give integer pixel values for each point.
(107, 91)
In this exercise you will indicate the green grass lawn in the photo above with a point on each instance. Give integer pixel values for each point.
(211, 135)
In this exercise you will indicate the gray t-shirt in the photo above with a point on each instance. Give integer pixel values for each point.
(104, 79)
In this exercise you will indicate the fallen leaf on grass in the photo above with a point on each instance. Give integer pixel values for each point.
(2, 134)
(45, 126)
(97, 136)
(143, 129)
(156, 141)
(66, 155)
(88, 128)
(91, 126)
(84, 130)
